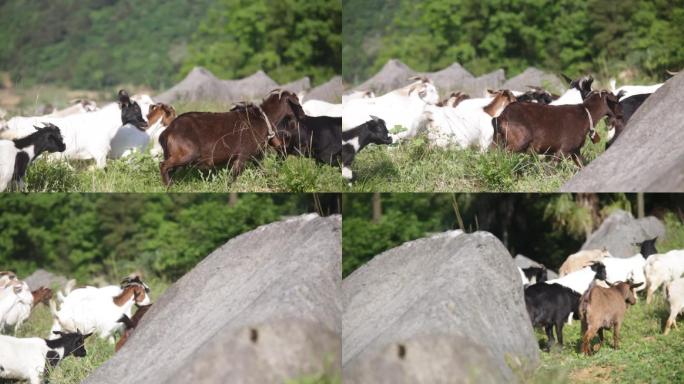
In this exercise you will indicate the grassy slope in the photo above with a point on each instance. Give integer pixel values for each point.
(408, 167)
(72, 369)
(645, 354)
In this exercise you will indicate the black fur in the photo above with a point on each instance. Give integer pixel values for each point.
(46, 139)
(73, 344)
(130, 111)
(371, 132)
(648, 248)
(631, 104)
(21, 162)
(539, 274)
(548, 306)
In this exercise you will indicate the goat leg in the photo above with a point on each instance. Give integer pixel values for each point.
(616, 336)
(586, 341)
(601, 338)
(549, 335)
(559, 332)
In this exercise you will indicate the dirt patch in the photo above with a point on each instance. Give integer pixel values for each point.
(592, 375)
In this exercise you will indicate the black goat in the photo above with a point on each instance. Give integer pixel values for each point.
(549, 305)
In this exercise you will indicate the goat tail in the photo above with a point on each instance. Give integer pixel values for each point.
(163, 141)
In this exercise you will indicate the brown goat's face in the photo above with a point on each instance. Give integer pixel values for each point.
(160, 111)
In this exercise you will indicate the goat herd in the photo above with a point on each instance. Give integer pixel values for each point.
(83, 311)
(597, 288)
(331, 133)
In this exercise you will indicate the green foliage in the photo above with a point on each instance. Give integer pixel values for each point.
(96, 44)
(287, 39)
(544, 227)
(164, 235)
(573, 36)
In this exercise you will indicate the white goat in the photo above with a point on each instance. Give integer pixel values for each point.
(322, 108)
(26, 358)
(675, 295)
(401, 107)
(631, 90)
(87, 135)
(626, 269)
(357, 95)
(92, 309)
(469, 124)
(16, 306)
(661, 269)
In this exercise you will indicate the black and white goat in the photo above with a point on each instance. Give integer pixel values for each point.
(354, 140)
(17, 154)
(26, 358)
(131, 112)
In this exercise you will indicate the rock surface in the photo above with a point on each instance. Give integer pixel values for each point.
(621, 230)
(202, 85)
(440, 298)
(648, 155)
(330, 91)
(42, 278)
(263, 308)
(523, 261)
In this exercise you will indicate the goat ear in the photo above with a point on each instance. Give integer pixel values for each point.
(296, 109)
(632, 285)
(375, 118)
(87, 336)
(569, 80)
(58, 332)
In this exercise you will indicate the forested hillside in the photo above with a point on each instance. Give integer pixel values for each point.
(639, 38)
(162, 235)
(94, 44)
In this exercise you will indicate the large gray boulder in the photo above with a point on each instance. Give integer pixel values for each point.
(648, 155)
(263, 308)
(522, 261)
(42, 278)
(536, 78)
(446, 307)
(330, 91)
(620, 231)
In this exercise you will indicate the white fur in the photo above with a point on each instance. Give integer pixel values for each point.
(570, 97)
(354, 143)
(358, 95)
(626, 269)
(23, 358)
(661, 269)
(631, 90)
(92, 309)
(675, 296)
(467, 125)
(322, 108)
(525, 280)
(578, 281)
(15, 314)
(86, 136)
(397, 107)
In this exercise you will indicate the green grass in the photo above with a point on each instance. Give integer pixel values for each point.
(412, 166)
(415, 166)
(645, 354)
(73, 369)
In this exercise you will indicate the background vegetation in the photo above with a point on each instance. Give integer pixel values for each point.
(637, 37)
(544, 227)
(110, 235)
(95, 44)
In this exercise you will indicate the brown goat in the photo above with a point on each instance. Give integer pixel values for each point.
(604, 308)
(553, 129)
(161, 111)
(41, 295)
(208, 140)
(130, 324)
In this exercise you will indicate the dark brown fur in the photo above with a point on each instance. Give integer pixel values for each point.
(131, 324)
(41, 295)
(207, 140)
(553, 129)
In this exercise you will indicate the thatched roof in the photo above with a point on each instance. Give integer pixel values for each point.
(536, 78)
(201, 85)
(330, 91)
